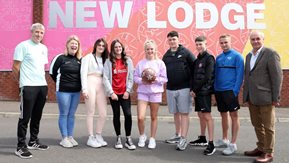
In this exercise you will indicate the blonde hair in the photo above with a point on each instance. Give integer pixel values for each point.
(154, 45)
(225, 36)
(79, 50)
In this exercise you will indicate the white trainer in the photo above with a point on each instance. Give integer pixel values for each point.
(231, 149)
(142, 140)
(152, 143)
(100, 140)
(92, 142)
(73, 141)
(222, 143)
(66, 143)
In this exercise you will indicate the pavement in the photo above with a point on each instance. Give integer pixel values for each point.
(164, 153)
(11, 109)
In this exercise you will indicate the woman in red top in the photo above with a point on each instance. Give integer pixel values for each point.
(118, 82)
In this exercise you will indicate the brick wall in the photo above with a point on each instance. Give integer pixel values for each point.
(9, 89)
(285, 89)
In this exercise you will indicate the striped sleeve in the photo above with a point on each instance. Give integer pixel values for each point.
(54, 66)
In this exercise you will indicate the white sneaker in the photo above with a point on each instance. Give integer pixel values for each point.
(222, 143)
(142, 140)
(152, 143)
(100, 140)
(232, 148)
(182, 144)
(73, 141)
(92, 142)
(118, 144)
(66, 143)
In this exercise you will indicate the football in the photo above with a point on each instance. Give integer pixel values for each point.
(148, 75)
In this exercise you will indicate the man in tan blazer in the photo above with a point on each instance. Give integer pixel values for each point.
(262, 86)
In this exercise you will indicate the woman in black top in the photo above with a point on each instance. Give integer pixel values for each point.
(65, 71)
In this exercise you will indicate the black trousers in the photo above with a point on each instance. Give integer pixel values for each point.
(126, 108)
(33, 99)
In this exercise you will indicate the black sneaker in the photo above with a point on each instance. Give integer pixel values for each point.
(129, 144)
(201, 141)
(23, 153)
(37, 145)
(210, 149)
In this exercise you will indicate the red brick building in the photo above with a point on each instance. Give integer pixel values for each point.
(9, 89)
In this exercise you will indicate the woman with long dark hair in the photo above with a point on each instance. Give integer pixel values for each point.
(93, 92)
(118, 82)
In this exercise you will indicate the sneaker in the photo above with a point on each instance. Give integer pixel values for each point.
(66, 143)
(37, 145)
(118, 144)
(182, 145)
(23, 153)
(210, 149)
(222, 143)
(100, 140)
(201, 141)
(129, 144)
(92, 142)
(174, 139)
(73, 141)
(142, 140)
(152, 143)
(232, 148)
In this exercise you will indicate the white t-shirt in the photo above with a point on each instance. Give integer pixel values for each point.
(33, 57)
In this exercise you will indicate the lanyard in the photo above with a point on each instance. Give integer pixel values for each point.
(94, 55)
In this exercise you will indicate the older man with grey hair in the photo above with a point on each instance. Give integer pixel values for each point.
(262, 86)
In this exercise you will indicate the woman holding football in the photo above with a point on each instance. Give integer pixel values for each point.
(150, 75)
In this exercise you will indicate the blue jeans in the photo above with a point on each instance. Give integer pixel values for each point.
(67, 104)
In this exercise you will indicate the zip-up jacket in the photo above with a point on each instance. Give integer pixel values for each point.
(107, 76)
(65, 71)
(229, 71)
(179, 66)
(203, 76)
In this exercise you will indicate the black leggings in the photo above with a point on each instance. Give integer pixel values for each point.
(33, 99)
(126, 108)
